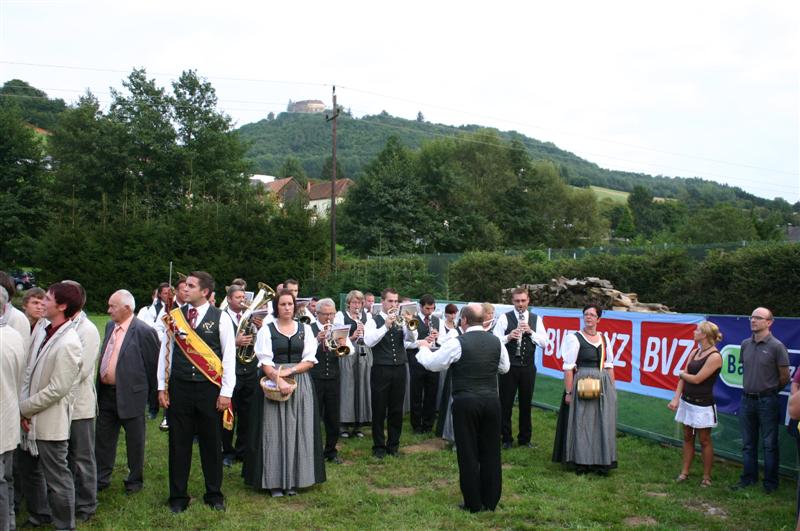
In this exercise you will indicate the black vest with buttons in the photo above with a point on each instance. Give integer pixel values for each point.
(208, 330)
(287, 349)
(390, 349)
(528, 348)
(424, 331)
(475, 373)
(327, 367)
(352, 323)
(588, 354)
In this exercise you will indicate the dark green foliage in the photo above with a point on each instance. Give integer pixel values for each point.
(33, 104)
(481, 276)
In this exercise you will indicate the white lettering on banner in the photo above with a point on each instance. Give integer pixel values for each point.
(555, 338)
(616, 352)
(657, 348)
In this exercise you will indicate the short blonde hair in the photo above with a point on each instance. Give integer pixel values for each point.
(354, 294)
(711, 331)
(488, 308)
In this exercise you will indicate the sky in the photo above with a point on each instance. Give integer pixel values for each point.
(705, 89)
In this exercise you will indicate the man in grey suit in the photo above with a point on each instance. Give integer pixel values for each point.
(128, 361)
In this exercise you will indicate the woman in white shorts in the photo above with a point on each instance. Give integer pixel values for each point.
(694, 399)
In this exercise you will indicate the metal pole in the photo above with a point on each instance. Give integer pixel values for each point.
(333, 184)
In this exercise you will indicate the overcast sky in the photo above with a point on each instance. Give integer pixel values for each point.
(681, 88)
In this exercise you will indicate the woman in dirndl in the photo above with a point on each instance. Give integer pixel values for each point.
(694, 399)
(285, 453)
(444, 420)
(587, 426)
(355, 405)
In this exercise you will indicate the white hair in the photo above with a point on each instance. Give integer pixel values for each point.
(326, 302)
(126, 298)
(3, 299)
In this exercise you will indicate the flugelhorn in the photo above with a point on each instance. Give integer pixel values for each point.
(263, 297)
(330, 342)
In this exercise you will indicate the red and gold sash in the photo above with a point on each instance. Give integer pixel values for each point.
(198, 353)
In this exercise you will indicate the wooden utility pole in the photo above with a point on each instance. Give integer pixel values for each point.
(332, 118)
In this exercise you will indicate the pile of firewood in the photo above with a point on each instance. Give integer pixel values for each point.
(575, 293)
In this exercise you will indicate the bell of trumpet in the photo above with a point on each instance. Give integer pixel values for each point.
(164, 426)
(304, 319)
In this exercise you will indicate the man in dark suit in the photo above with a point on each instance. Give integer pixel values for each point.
(128, 361)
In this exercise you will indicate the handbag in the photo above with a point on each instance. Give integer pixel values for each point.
(589, 386)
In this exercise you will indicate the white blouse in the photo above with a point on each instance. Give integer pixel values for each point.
(571, 345)
(263, 346)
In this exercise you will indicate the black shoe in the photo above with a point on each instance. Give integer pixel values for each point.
(741, 485)
(507, 446)
(526, 445)
(177, 508)
(335, 460)
(358, 434)
(345, 435)
(133, 489)
(379, 454)
(217, 506)
(83, 517)
(102, 487)
(152, 416)
(769, 490)
(227, 461)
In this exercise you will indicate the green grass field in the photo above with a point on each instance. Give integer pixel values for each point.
(419, 490)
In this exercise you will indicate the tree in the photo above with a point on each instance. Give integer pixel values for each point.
(327, 169)
(34, 106)
(291, 167)
(721, 223)
(271, 116)
(24, 209)
(420, 117)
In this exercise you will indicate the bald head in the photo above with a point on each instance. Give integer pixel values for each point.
(472, 314)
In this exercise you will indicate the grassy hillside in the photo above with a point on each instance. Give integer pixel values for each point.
(307, 138)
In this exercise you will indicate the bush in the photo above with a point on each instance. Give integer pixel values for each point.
(482, 276)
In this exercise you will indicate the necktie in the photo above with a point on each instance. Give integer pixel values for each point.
(238, 317)
(192, 316)
(428, 323)
(108, 354)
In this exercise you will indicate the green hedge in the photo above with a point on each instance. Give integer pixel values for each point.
(731, 282)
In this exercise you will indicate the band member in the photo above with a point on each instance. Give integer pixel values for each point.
(325, 375)
(369, 300)
(520, 330)
(444, 420)
(247, 375)
(202, 376)
(474, 359)
(152, 314)
(80, 455)
(302, 310)
(356, 409)
(285, 453)
(127, 372)
(385, 336)
(312, 306)
(13, 317)
(12, 364)
(424, 383)
(53, 367)
(242, 283)
(33, 305)
(180, 293)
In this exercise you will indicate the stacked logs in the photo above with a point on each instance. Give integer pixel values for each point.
(562, 292)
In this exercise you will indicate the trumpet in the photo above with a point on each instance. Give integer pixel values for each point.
(405, 318)
(330, 342)
(263, 297)
(304, 319)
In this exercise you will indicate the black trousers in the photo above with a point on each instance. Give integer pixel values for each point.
(193, 409)
(106, 436)
(476, 423)
(327, 392)
(247, 390)
(424, 386)
(518, 380)
(388, 387)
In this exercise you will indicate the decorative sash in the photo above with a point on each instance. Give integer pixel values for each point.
(198, 353)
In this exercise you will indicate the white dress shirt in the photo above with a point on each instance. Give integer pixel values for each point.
(440, 360)
(227, 338)
(264, 344)
(538, 332)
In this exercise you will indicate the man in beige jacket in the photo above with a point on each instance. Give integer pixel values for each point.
(12, 358)
(81, 435)
(46, 400)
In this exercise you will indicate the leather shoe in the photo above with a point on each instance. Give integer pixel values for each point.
(83, 517)
(739, 486)
(227, 461)
(217, 506)
(335, 460)
(507, 446)
(358, 434)
(133, 489)
(345, 435)
(378, 454)
(177, 508)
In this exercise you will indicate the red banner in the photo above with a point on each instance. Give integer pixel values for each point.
(665, 347)
(618, 335)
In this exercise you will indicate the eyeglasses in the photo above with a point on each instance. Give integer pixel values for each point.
(590, 315)
(758, 318)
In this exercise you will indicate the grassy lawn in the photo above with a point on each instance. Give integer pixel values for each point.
(419, 489)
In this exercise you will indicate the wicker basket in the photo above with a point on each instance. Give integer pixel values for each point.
(271, 390)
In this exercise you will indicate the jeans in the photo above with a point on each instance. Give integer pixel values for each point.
(760, 415)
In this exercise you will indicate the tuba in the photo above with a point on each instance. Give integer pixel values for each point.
(263, 297)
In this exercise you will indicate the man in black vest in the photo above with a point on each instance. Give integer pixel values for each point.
(195, 402)
(247, 376)
(474, 358)
(520, 330)
(424, 383)
(384, 335)
(325, 375)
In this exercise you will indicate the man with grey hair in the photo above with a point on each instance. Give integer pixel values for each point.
(325, 374)
(12, 359)
(474, 359)
(127, 372)
(80, 454)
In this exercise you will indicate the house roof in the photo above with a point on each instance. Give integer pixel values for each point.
(322, 189)
(278, 184)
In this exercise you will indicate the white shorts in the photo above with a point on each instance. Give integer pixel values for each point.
(696, 416)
